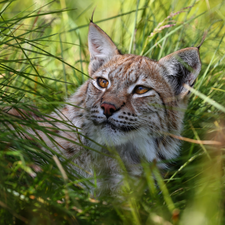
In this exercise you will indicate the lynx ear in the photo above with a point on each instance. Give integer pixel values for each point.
(101, 47)
(181, 67)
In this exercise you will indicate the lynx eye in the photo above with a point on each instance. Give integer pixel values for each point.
(103, 83)
(141, 90)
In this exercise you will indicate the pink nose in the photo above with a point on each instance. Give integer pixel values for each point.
(108, 109)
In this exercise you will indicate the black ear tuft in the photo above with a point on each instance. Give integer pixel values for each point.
(181, 67)
(92, 16)
(203, 39)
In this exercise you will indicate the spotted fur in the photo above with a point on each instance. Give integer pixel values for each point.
(139, 125)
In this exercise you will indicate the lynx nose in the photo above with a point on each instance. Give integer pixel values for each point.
(108, 109)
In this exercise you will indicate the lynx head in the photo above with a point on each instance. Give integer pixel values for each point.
(132, 96)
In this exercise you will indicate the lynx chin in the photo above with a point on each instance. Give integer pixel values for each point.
(130, 105)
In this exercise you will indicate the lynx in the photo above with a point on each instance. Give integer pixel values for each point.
(130, 105)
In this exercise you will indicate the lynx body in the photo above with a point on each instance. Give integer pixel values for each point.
(130, 105)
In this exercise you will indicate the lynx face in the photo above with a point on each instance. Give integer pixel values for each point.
(131, 97)
(125, 99)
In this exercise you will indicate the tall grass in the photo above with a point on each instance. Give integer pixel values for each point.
(44, 59)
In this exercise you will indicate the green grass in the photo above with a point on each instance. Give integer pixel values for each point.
(44, 58)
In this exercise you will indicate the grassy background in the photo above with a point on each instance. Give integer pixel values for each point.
(44, 58)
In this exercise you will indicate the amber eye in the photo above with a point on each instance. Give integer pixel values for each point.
(103, 83)
(141, 90)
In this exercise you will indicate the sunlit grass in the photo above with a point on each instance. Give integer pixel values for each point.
(44, 58)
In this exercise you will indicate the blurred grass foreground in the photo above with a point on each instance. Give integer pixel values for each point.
(44, 59)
